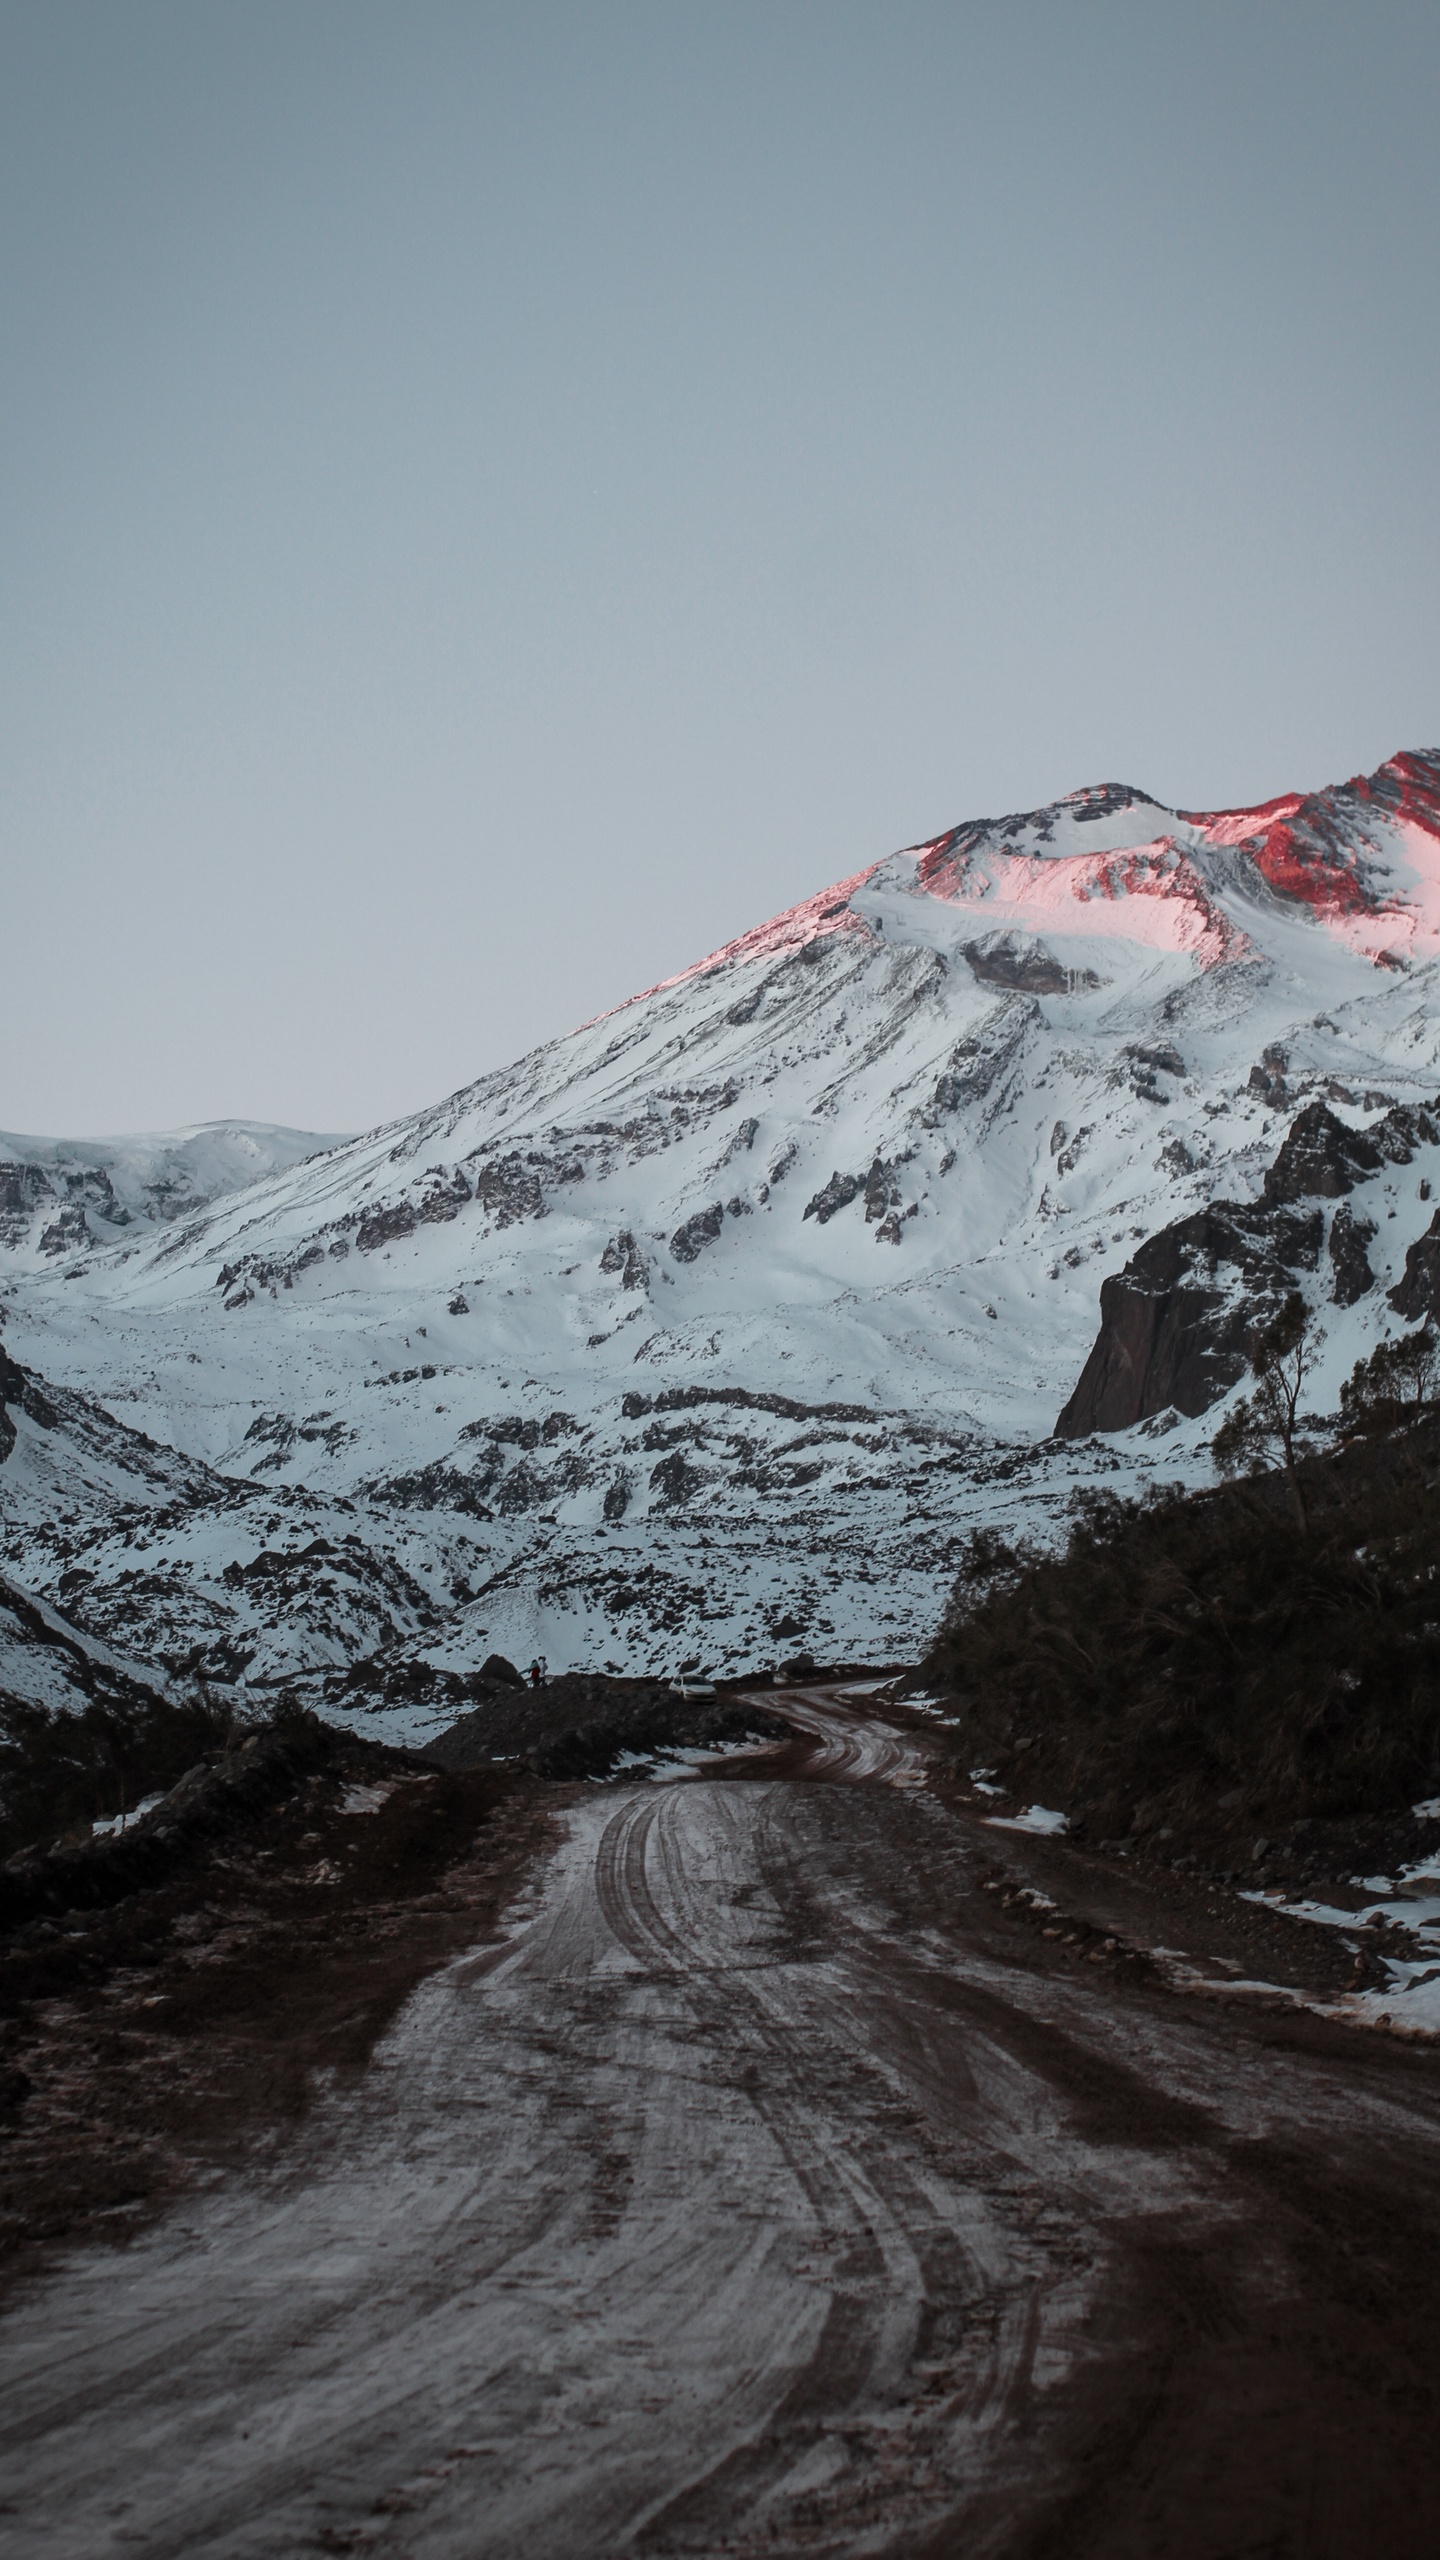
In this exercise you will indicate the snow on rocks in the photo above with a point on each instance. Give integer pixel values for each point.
(599, 1351)
(67, 1196)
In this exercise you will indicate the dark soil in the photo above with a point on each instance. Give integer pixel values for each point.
(1094, 1907)
(579, 1725)
(151, 2036)
(1054, 2033)
(174, 1993)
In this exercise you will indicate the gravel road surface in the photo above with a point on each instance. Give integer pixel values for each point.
(768, 2187)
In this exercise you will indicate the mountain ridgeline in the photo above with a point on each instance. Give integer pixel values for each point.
(721, 1324)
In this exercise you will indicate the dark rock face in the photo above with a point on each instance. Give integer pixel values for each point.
(1147, 1065)
(19, 1389)
(1320, 1158)
(1268, 1078)
(1162, 1061)
(688, 1242)
(1349, 1237)
(68, 1233)
(837, 1193)
(446, 1198)
(384, 1225)
(501, 1673)
(1017, 960)
(22, 1188)
(882, 1190)
(12, 1391)
(623, 1256)
(510, 1189)
(1175, 1322)
(675, 1480)
(1417, 1292)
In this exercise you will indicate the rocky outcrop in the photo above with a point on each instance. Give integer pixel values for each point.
(833, 1195)
(69, 1233)
(882, 1195)
(1322, 1159)
(12, 1389)
(1268, 1078)
(510, 1190)
(1175, 1322)
(18, 1389)
(1417, 1292)
(1349, 1238)
(981, 1062)
(688, 1242)
(1019, 961)
(385, 1225)
(1147, 1065)
(623, 1258)
(22, 1188)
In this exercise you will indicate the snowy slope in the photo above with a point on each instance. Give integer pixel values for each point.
(64, 1195)
(721, 1320)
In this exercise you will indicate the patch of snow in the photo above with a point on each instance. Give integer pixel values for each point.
(360, 1799)
(1038, 1818)
(121, 1821)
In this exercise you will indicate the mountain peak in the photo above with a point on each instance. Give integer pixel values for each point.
(744, 1302)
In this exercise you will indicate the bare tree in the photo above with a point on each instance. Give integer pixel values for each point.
(1267, 1421)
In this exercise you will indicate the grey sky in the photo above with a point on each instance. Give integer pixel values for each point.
(494, 501)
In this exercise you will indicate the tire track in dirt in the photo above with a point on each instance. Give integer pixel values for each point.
(902, 2253)
(758, 2191)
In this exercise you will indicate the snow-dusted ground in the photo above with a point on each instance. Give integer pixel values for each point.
(715, 1326)
(756, 2192)
(49, 1664)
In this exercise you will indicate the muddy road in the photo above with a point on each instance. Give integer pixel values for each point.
(772, 2184)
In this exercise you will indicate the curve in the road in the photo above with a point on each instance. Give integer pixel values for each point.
(745, 2198)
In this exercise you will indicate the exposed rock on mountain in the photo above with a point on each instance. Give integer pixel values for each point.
(1175, 1323)
(1010, 1055)
(73, 1195)
(1349, 1239)
(1018, 960)
(623, 1256)
(1417, 1293)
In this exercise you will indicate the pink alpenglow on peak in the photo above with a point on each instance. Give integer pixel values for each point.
(1149, 892)
(1108, 864)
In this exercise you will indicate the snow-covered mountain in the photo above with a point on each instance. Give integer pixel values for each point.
(64, 1195)
(716, 1325)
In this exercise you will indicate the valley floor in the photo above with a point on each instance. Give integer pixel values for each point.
(787, 2163)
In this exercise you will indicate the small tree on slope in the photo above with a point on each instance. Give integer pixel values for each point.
(1281, 1359)
(1395, 1384)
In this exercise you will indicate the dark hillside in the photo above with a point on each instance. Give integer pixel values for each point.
(1191, 1668)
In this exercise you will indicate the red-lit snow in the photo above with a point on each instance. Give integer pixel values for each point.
(567, 1350)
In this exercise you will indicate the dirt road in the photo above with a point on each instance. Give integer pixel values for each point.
(768, 2188)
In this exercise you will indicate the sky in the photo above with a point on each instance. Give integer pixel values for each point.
(495, 501)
